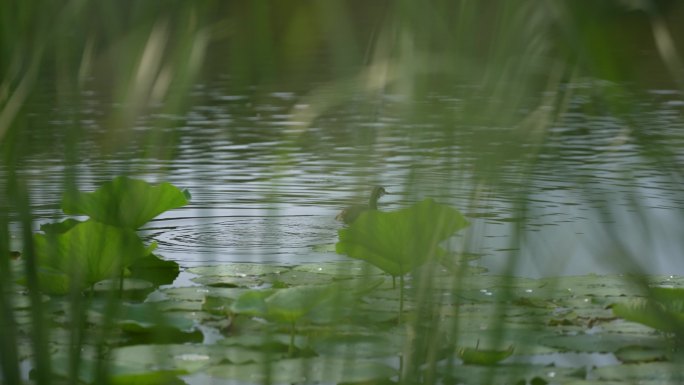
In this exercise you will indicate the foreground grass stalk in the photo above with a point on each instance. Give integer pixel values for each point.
(39, 336)
(77, 333)
(401, 297)
(290, 349)
(9, 359)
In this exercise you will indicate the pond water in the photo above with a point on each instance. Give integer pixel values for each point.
(597, 199)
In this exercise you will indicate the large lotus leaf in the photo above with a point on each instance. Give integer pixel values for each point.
(125, 202)
(399, 241)
(89, 252)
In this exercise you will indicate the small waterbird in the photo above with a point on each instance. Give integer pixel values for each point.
(349, 214)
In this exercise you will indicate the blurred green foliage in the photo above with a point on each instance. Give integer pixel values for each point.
(508, 61)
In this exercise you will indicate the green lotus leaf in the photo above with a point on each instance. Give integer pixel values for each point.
(52, 281)
(59, 227)
(87, 253)
(125, 202)
(400, 241)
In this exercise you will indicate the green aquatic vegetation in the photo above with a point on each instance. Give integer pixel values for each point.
(663, 310)
(348, 321)
(75, 255)
(399, 242)
(85, 254)
(325, 303)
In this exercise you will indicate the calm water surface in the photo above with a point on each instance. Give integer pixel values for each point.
(264, 190)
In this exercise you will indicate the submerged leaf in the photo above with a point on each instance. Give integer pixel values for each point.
(399, 241)
(125, 202)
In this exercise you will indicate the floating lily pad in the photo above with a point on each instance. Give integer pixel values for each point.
(228, 281)
(156, 364)
(359, 345)
(273, 341)
(298, 278)
(602, 342)
(188, 357)
(590, 285)
(305, 370)
(291, 304)
(635, 354)
(340, 269)
(646, 373)
(512, 374)
(241, 270)
(198, 293)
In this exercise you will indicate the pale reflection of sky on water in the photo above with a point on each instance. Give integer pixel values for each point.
(265, 192)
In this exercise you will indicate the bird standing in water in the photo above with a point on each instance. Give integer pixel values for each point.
(350, 214)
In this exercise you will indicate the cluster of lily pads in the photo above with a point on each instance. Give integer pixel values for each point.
(342, 322)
